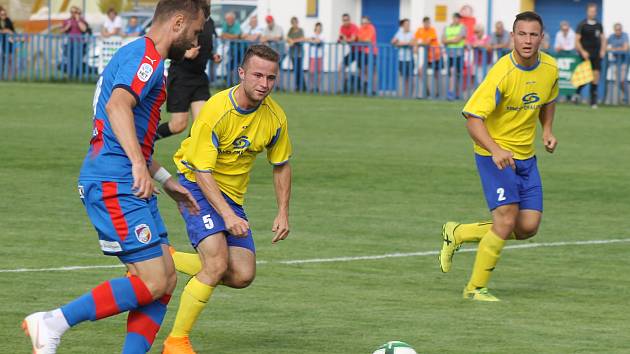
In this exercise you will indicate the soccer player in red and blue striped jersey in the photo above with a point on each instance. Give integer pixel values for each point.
(116, 187)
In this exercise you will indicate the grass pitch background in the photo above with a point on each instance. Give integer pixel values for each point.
(371, 176)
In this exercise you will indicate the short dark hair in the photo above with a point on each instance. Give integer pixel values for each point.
(591, 4)
(261, 51)
(166, 8)
(345, 15)
(426, 19)
(528, 16)
(457, 15)
(402, 22)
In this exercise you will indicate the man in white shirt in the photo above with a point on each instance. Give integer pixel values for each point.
(113, 24)
(565, 38)
(252, 31)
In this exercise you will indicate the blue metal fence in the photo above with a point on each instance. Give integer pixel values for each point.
(323, 68)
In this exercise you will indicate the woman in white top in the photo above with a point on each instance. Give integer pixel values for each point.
(316, 56)
(405, 41)
(112, 25)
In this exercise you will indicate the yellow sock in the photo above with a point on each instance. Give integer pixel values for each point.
(188, 263)
(194, 298)
(487, 257)
(474, 232)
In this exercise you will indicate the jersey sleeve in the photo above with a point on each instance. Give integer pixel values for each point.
(279, 149)
(138, 73)
(555, 89)
(484, 100)
(202, 149)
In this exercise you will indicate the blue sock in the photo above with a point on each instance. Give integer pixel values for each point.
(143, 325)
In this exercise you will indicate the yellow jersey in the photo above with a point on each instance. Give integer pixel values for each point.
(509, 101)
(226, 138)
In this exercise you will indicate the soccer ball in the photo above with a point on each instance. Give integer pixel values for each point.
(395, 347)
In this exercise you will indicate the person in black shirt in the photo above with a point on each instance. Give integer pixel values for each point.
(6, 43)
(187, 84)
(590, 43)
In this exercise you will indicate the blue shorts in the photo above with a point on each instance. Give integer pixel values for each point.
(128, 227)
(209, 222)
(521, 186)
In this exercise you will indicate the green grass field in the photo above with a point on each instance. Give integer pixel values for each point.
(371, 177)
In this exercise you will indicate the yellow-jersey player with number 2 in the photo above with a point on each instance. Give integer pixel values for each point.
(502, 115)
(214, 163)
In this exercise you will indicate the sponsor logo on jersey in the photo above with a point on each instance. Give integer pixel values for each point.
(531, 98)
(143, 233)
(81, 191)
(110, 246)
(144, 72)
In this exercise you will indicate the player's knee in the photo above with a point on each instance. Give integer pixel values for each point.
(214, 270)
(178, 125)
(523, 233)
(242, 280)
(157, 286)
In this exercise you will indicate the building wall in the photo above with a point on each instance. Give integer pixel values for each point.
(616, 11)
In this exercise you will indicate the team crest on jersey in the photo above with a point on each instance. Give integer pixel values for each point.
(144, 72)
(143, 233)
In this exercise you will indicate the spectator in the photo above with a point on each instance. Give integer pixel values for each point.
(426, 35)
(347, 35)
(454, 38)
(565, 38)
(273, 35)
(74, 49)
(367, 36)
(469, 21)
(500, 40)
(231, 32)
(618, 46)
(590, 43)
(252, 32)
(6, 44)
(405, 42)
(482, 53)
(133, 29)
(295, 38)
(545, 43)
(113, 24)
(316, 51)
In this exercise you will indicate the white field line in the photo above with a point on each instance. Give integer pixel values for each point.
(348, 259)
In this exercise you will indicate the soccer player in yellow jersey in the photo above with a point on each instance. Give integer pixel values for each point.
(501, 119)
(214, 163)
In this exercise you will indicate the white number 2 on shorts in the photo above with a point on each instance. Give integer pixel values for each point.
(207, 221)
(501, 193)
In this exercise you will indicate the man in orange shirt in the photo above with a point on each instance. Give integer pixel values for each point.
(427, 37)
(367, 37)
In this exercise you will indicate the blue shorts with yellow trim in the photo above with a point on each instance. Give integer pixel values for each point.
(128, 227)
(208, 222)
(521, 186)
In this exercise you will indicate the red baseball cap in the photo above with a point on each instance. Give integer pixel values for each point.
(269, 18)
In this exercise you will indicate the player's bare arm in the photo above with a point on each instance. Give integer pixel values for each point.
(282, 185)
(546, 121)
(235, 225)
(174, 189)
(479, 133)
(579, 48)
(120, 112)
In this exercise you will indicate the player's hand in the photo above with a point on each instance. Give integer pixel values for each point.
(192, 53)
(236, 226)
(217, 58)
(503, 159)
(142, 182)
(550, 142)
(181, 195)
(585, 55)
(602, 54)
(280, 227)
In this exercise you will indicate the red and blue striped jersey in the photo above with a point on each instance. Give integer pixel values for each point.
(138, 68)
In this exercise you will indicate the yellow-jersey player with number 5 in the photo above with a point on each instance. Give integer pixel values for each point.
(502, 115)
(214, 163)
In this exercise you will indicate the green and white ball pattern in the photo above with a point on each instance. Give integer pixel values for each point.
(395, 347)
